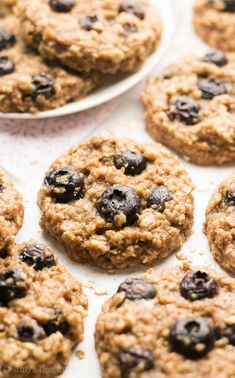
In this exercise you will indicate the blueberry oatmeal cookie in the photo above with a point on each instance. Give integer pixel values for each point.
(176, 324)
(214, 21)
(220, 223)
(27, 83)
(190, 108)
(108, 35)
(11, 211)
(42, 308)
(115, 203)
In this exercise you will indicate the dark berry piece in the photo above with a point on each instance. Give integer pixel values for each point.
(66, 184)
(184, 109)
(198, 285)
(229, 5)
(227, 332)
(192, 338)
(158, 197)
(63, 6)
(136, 289)
(135, 359)
(87, 22)
(216, 57)
(133, 7)
(7, 39)
(12, 286)
(119, 200)
(3, 253)
(55, 325)
(133, 162)
(34, 255)
(130, 28)
(211, 88)
(43, 86)
(6, 66)
(30, 333)
(230, 199)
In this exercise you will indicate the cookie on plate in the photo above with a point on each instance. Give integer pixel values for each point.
(27, 83)
(108, 35)
(190, 108)
(42, 308)
(11, 211)
(116, 203)
(220, 223)
(214, 21)
(179, 323)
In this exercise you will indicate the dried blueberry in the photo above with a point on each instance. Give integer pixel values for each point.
(6, 66)
(193, 338)
(230, 199)
(12, 285)
(87, 22)
(133, 7)
(30, 333)
(133, 162)
(198, 285)
(227, 332)
(119, 200)
(66, 184)
(229, 5)
(135, 359)
(55, 325)
(158, 197)
(130, 28)
(136, 289)
(216, 57)
(62, 5)
(184, 109)
(211, 88)
(43, 85)
(3, 253)
(7, 39)
(34, 255)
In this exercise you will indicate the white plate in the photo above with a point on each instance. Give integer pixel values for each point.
(114, 86)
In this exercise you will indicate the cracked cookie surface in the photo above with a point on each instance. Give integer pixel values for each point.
(116, 203)
(178, 323)
(190, 108)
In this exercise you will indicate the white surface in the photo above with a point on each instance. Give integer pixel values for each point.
(27, 149)
(113, 86)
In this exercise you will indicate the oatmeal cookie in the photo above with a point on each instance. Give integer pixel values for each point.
(176, 324)
(42, 308)
(115, 203)
(190, 108)
(27, 83)
(108, 35)
(214, 21)
(220, 223)
(11, 211)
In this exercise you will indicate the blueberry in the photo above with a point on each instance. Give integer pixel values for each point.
(211, 88)
(3, 253)
(130, 28)
(63, 6)
(6, 66)
(87, 22)
(29, 333)
(133, 7)
(198, 285)
(12, 286)
(7, 39)
(229, 5)
(230, 199)
(136, 289)
(227, 332)
(55, 325)
(158, 197)
(133, 162)
(135, 359)
(66, 184)
(119, 200)
(193, 338)
(43, 85)
(216, 57)
(34, 255)
(184, 109)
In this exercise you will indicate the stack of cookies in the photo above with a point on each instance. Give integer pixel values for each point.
(54, 51)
